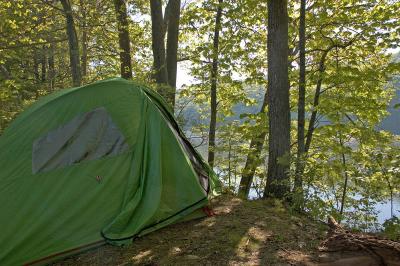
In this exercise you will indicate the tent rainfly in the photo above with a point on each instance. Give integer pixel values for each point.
(105, 162)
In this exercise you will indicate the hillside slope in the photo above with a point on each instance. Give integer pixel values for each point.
(241, 233)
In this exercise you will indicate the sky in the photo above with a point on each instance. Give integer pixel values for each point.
(182, 75)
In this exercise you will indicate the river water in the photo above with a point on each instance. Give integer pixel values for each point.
(384, 209)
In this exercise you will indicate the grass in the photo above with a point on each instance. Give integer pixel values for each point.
(241, 233)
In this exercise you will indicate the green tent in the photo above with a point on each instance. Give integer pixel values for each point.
(100, 163)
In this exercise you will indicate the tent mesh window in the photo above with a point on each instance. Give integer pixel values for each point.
(89, 136)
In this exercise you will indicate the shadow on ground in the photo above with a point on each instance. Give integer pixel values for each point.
(241, 233)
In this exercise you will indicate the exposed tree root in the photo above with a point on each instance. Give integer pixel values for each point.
(384, 252)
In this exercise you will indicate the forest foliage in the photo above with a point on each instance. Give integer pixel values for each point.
(350, 164)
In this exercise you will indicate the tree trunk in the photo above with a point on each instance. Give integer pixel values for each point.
(311, 125)
(73, 44)
(36, 73)
(158, 46)
(84, 53)
(391, 203)
(253, 157)
(52, 72)
(278, 99)
(36, 65)
(165, 62)
(252, 162)
(43, 64)
(229, 161)
(321, 71)
(84, 39)
(214, 80)
(298, 183)
(390, 188)
(123, 39)
(174, 7)
(346, 178)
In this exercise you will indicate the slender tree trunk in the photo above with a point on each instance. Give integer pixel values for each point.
(158, 46)
(385, 175)
(252, 162)
(391, 202)
(229, 161)
(36, 65)
(172, 45)
(43, 63)
(84, 39)
(321, 71)
(36, 73)
(84, 53)
(235, 169)
(123, 39)
(52, 73)
(253, 157)
(391, 191)
(73, 44)
(214, 80)
(346, 178)
(278, 92)
(51, 62)
(311, 125)
(298, 183)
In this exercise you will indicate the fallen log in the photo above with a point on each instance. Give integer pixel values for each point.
(381, 251)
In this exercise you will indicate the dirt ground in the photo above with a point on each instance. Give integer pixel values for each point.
(241, 233)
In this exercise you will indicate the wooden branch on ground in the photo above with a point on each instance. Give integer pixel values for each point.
(383, 251)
